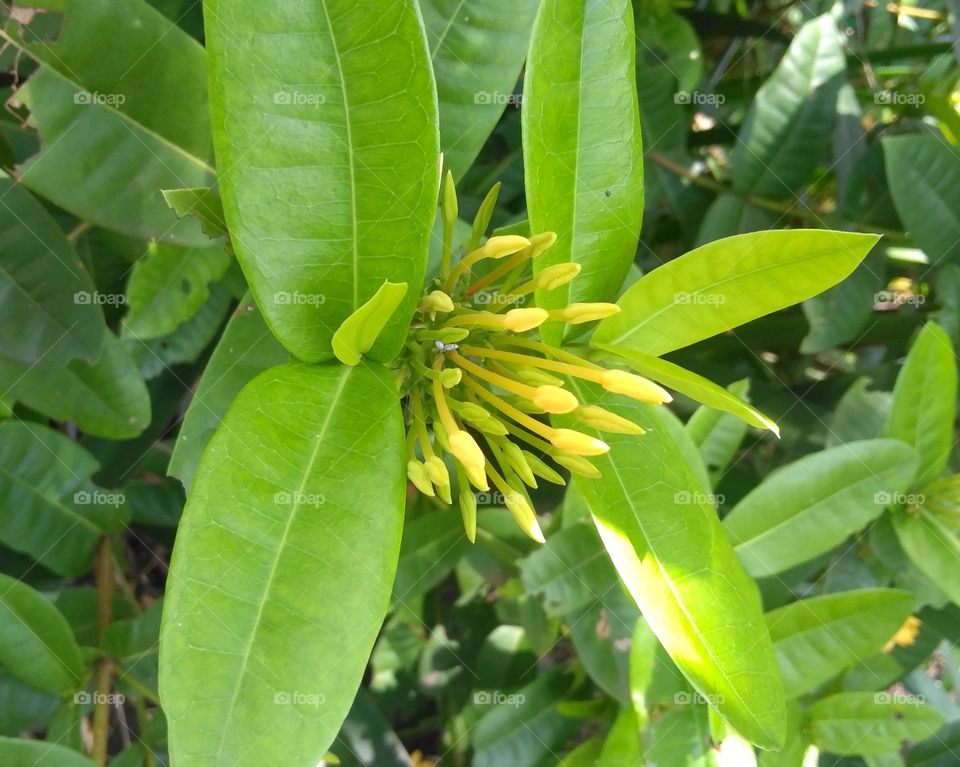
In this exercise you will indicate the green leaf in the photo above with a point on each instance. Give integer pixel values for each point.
(299, 492)
(923, 172)
(861, 413)
(681, 738)
(932, 545)
(106, 399)
(359, 332)
(367, 740)
(622, 744)
(696, 387)
(477, 48)
(119, 126)
(869, 723)
(792, 117)
(432, 545)
(726, 283)
(34, 753)
(168, 286)
(48, 508)
(48, 312)
(343, 195)
(718, 434)
(817, 638)
(664, 538)
(245, 350)
(672, 42)
(203, 203)
(583, 160)
(807, 507)
(36, 642)
(924, 401)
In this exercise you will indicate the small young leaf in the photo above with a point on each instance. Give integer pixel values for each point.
(359, 331)
(204, 203)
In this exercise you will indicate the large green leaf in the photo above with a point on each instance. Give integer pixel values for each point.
(245, 350)
(48, 311)
(792, 117)
(582, 153)
(300, 492)
(718, 434)
(329, 158)
(817, 638)
(168, 286)
(869, 723)
(106, 399)
(120, 103)
(48, 508)
(36, 642)
(478, 48)
(924, 401)
(664, 538)
(34, 753)
(923, 172)
(726, 283)
(932, 545)
(807, 507)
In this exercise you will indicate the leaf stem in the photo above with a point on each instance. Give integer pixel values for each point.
(103, 574)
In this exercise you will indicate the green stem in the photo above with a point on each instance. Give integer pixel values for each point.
(103, 574)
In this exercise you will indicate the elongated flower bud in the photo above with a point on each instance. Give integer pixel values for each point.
(450, 207)
(468, 510)
(522, 320)
(437, 470)
(540, 242)
(577, 314)
(417, 474)
(577, 465)
(504, 245)
(436, 301)
(542, 469)
(443, 490)
(491, 425)
(469, 411)
(577, 443)
(555, 400)
(534, 376)
(524, 516)
(604, 420)
(466, 450)
(515, 458)
(556, 276)
(637, 387)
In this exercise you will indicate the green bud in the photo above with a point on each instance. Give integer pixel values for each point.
(542, 469)
(417, 474)
(450, 208)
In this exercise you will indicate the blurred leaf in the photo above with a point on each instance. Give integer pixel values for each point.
(367, 740)
(939, 750)
(727, 283)
(681, 738)
(670, 40)
(583, 161)
(22, 707)
(809, 506)
(318, 512)
(622, 744)
(430, 547)
(343, 194)
(36, 643)
(34, 753)
(718, 434)
(932, 545)
(861, 413)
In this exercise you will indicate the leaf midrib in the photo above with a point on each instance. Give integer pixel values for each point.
(308, 469)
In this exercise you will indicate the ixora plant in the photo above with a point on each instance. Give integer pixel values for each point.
(488, 378)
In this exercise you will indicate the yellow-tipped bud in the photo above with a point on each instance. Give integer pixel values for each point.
(556, 276)
(604, 420)
(555, 400)
(577, 465)
(444, 492)
(468, 510)
(637, 387)
(541, 242)
(436, 301)
(478, 478)
(524, 516)
(450, 208)
(542, 469)
(577, 314)
(517, 461)
(450, 377)
(577, 443)
(466, 450)
(417, 474)
(504, 245)
(437, 471)
(534, 376)
(522, 320)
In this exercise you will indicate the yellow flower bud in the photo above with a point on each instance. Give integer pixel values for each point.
(491, 425)
(504, 245)
(522, 320)
(577, 465)
(577, 314)
(466, 450)
(468, 510)
(450, 377)
(577, 443)
(418, 475)
(436, 301)
(604, 420)
(524, 515)
(637, 387)
(437, 471)
(478, 478)
(534, 376)
(555, 400)
(444, 492)
(541, 242)
(556, 276)
(450, 208)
